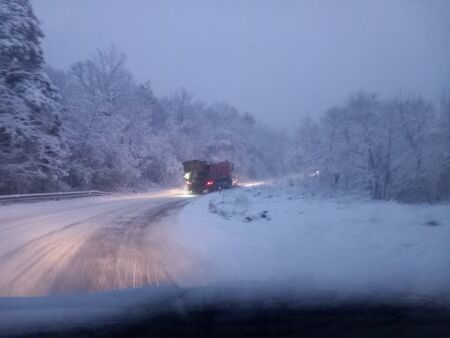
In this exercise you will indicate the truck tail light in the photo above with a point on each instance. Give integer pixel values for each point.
(209, 183)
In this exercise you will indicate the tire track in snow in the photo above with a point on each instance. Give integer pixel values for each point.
(134, 251)
(124, 247)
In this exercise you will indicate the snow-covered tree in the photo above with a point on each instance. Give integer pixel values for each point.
(395, 148)
(442, 145)
(30, 146)
(122, 136)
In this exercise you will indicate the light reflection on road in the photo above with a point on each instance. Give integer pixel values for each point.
(92, 244)
(249, 184)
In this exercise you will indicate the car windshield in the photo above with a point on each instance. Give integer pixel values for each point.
(214, 168)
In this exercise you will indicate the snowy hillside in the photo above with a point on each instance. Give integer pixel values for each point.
(358, 247)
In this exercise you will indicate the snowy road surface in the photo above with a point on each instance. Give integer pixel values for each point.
(90, 244)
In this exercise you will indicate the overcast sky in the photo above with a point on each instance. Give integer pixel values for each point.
(279, 60)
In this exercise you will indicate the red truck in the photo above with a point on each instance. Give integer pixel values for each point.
(202, 176)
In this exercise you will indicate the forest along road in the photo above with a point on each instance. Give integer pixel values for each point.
(91, 244)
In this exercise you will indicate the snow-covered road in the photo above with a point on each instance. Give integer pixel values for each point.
(259, 244)
(254, 233)
(90, 244)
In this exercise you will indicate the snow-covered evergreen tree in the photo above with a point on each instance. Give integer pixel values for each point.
(30, 144)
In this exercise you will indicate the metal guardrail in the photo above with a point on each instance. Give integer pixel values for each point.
(49, 196)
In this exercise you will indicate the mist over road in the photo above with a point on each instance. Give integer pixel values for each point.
(91, 244)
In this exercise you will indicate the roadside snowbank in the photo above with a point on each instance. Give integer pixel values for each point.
(346, 245)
